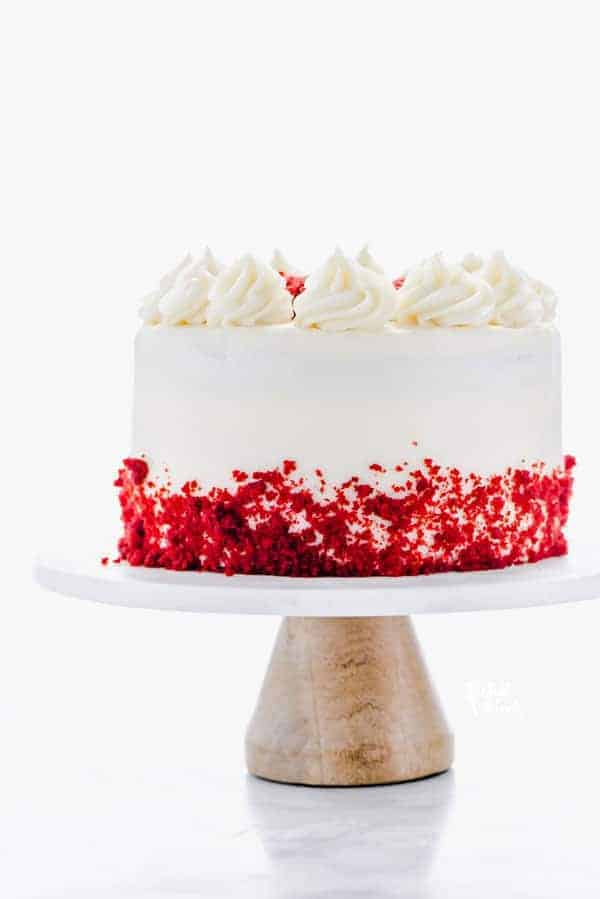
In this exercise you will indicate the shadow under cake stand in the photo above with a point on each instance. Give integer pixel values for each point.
(346, 699)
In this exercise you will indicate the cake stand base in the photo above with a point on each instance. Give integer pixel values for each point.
(346, 699)
(347, 702)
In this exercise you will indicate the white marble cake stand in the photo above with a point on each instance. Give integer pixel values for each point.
(346, 699)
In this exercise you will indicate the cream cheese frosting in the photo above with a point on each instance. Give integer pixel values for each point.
(186, 303)
(518, 300)
(208, 261)
(472, 262)
(365, 258)
(149, 306)
(547, 297)
(345, 296)
(436, 293)
(281, 264)
(182, 294)
(349, 294)
(248, 293)
(254, 396)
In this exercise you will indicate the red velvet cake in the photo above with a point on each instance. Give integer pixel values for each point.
(345, 424)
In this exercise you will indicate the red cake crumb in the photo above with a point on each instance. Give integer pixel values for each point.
(398, 282)
(294, 284)
(271, 523)
(104, 560)
(138, 469)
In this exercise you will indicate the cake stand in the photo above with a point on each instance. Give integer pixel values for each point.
(346, 700)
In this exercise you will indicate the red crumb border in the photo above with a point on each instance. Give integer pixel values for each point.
(271, 522)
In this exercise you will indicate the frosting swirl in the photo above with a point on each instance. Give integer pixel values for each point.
(365, 259)
(518, 301)
(249, 293)
(186, 303)
(208, 261)
(472, 262)
(548, 299)
(349, 294)
(344, 296)
(281, 265)
(435, 293)
(149, 311)
(182, 294)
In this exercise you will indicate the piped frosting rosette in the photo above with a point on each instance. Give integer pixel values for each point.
(249, 293)
(281, 264)
(349, 294)
(366, 259)
(518, 299)
(182, 294)
(436, 293)
(343, 295)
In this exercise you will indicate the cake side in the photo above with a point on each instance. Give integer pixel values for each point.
(401, 453)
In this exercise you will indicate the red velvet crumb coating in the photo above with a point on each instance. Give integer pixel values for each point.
(272, 523)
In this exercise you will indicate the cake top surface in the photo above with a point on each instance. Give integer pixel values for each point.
(348, 294)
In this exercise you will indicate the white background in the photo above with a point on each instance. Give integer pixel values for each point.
(134, 131)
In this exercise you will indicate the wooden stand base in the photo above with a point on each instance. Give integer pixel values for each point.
(347, 702)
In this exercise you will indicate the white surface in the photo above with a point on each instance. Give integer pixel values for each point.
(171, 833)
(567, 579)
(208, 401)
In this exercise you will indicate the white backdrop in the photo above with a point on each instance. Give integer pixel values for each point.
(135, 131)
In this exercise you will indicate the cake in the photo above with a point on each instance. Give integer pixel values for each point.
(344, 423)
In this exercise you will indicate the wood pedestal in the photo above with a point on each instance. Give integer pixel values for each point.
(347, 702)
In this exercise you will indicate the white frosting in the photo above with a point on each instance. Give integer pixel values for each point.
(149, 311)
(435, 293)
(182, 294)
(366, 259)
(472, 262)
(344, 296)
(208, 261)
(518, 301)
(249, 293)
(547, 297)
(208, 401)
(281, 265)
(186, 303)
(350, 295)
